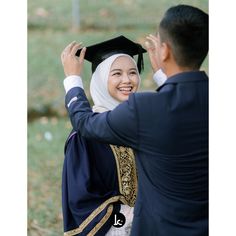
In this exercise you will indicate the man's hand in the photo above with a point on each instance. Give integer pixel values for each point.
(72, 64)
(152, 48)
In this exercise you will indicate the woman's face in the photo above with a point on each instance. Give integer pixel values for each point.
(123, 78)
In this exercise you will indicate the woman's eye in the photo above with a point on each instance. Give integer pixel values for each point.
(117, 74)
(133, 73)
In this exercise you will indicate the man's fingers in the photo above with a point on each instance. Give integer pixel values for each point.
(75, 48)
(62, 58)
(82, 54)
(151, 42)
(147, 45)
(68, 48)
(153, 37)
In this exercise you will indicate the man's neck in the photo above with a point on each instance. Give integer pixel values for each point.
(175, 69)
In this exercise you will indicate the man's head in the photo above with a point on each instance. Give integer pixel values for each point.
(184, 32)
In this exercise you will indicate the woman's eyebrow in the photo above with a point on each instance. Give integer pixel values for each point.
(115, 70)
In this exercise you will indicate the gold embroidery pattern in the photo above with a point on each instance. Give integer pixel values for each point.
(102, 222)
(127, 177)
(94, 214)
(127, 174)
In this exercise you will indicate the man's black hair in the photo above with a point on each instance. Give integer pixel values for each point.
(186, 29)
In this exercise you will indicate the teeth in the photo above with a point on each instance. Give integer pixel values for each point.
(125, 89)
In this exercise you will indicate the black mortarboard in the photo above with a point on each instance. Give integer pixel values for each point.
(101, 51)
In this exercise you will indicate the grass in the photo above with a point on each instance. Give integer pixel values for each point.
(49, 31)
(45, 147)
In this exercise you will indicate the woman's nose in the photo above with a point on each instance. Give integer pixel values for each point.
(125, 78)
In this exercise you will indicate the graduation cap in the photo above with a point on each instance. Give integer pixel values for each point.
(101, 51)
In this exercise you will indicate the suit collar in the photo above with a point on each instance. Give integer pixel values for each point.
(186, 77)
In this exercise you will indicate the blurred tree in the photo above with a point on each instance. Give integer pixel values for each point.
(75, 14)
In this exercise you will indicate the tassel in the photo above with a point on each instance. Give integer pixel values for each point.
(140, 63)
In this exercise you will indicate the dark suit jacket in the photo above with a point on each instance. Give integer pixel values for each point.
(168, 129)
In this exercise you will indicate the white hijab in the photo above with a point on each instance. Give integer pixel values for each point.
(102, 100)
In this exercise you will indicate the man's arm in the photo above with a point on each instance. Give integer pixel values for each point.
(119, 126)
(151, 45)
(159, 77)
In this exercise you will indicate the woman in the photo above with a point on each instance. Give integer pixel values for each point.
(100, 179)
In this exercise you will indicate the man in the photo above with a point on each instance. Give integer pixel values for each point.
(168, 128)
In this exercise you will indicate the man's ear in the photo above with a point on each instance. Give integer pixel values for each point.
(165, 51)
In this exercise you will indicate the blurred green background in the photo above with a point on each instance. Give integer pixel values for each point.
(50, 29)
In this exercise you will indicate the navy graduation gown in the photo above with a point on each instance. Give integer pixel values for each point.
(91, 185)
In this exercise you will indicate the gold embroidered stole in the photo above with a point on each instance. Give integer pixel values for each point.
(127, 178)
(126, 171)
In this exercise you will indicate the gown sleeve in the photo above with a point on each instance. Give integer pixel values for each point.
(87, 203)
